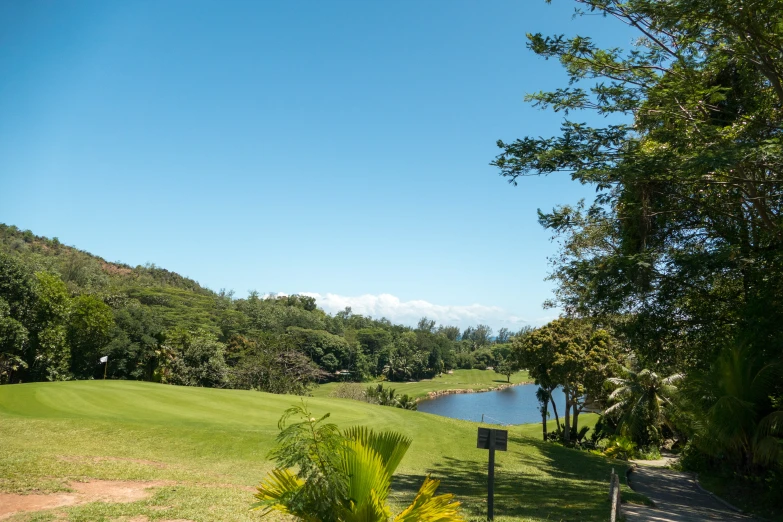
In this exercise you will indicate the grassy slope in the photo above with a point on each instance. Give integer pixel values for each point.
(460, 379)
(213, 442)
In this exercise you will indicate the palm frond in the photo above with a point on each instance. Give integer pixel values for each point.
(368, 481)
(278, 486)
(390, 445)
(674, 378)
(767, 451)
(772, 424)
(428, 508)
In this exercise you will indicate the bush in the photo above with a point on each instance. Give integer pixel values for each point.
(621, 447)
(342, 475)
(463, 361)
(350, 390)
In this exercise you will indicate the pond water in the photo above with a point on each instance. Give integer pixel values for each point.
(514, 405)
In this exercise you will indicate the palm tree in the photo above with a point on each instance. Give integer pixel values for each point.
(406, 402)
(381, 395)
(734, 415)
(643, 401)
(365, 462)
(543, 395)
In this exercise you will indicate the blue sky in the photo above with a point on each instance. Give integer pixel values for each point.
(334, 148)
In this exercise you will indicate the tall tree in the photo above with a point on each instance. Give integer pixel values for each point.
(569, 353)
(89, 328)
(48, 355)
(690, 198)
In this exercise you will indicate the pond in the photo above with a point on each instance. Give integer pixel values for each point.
(514, 405)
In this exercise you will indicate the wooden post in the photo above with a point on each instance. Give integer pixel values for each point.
(491, 478)
(491, 440)
(614, 496)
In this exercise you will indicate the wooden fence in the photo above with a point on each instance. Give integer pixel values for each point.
(614, 496)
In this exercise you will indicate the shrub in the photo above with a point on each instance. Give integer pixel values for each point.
(342, 476)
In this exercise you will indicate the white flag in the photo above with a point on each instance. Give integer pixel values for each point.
(104, 358)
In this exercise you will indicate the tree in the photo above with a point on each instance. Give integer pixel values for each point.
(505, 367)
(135, 339)
(689, 197)
(48, 355)
(483, 358)
(373, 341)
(195, 359)
(406, 402)
(426, 325)
(13, 342)
(736, 420)
(88, 332)
(331, 352)
(451, 333)
(343, 476)
(503, 336)
(272, 364)
(569, 353)
(643, 402)
(481, 335)
(543, 396)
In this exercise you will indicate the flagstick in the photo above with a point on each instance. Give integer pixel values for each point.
(104, 369)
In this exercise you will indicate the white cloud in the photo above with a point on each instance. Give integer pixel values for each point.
(409, 312)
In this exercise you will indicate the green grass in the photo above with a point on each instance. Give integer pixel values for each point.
(459, 380)
(212, 445)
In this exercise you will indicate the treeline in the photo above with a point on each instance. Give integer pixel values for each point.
(62, 309)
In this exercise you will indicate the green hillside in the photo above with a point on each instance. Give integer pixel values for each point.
(211, 444)
(62, 309)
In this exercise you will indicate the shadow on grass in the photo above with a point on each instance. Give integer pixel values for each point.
(537, 481)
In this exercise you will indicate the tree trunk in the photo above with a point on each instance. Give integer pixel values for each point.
(567, 432)
(554, 409)
(576, 418)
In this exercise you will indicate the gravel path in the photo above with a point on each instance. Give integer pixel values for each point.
(677, 498)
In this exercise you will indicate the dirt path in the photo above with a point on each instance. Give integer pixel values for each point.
(84, 492)
(676, 496)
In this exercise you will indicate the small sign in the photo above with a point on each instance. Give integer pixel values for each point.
(492, 440)
(501, 439)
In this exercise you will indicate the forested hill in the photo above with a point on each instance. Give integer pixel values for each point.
(61, 309)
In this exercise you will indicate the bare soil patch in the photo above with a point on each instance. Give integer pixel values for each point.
(113, 269)
(84, 493)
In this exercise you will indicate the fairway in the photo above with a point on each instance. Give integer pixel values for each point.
(458, 380)
(209, 446)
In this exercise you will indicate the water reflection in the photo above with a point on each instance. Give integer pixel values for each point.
(514, 405)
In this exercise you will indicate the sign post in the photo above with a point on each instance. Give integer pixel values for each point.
(492, 440)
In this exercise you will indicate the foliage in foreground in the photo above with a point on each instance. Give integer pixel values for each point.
(343, 476)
